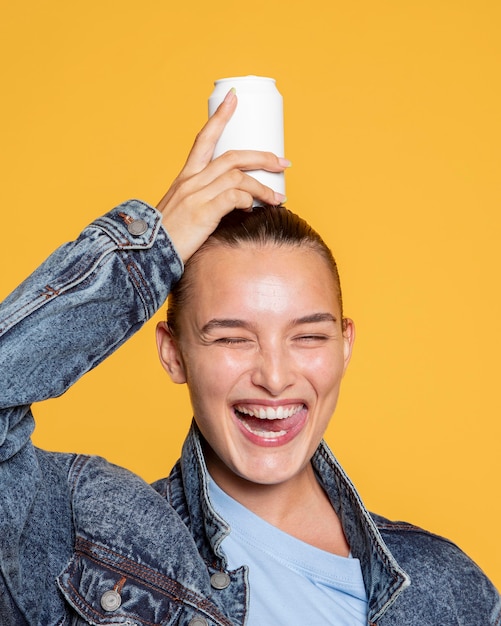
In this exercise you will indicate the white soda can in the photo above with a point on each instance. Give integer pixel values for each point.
(256, 124)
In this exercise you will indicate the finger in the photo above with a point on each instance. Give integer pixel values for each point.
(203, 148)
(241, 160)
(231, 199)
(233, 180)
(249, 160)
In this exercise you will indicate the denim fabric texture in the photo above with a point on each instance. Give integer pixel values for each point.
(86, 542)
(412, 577)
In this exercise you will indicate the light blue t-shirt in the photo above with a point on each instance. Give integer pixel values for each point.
(290, 581)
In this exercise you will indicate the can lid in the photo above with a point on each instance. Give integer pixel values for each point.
(249, 78)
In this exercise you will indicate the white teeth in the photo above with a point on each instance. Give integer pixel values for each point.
(270, 413)
(265, 434)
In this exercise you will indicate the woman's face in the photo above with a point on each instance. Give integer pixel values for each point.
(262, 348)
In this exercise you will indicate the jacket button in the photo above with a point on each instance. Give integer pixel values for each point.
(111, 600)
(137, 227)
(220, 580)
(198, 621)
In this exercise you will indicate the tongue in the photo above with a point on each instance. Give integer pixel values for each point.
(272, 426)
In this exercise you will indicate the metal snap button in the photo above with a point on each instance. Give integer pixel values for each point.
(220, 580)
(198, 621)
(111, 600)
(137, 227)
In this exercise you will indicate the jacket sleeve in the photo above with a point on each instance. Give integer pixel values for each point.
(446, 586)
(78, 307)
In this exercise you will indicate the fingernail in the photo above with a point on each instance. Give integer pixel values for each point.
(284, 162)
(280, 198)
(230, 96)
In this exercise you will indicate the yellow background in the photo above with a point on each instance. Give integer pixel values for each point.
(392, 124)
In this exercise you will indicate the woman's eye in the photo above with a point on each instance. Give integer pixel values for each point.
(231, 341)
(311, 338)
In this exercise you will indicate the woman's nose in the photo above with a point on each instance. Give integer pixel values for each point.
(273, 371)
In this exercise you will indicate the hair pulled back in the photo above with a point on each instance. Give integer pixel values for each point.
(264, 226)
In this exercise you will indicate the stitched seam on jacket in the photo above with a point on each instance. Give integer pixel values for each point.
(150, 578)
(77, 276)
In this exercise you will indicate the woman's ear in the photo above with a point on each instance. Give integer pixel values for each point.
(348, 339)
(169, 354)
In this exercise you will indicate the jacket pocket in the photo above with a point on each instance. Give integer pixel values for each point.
(105, 591)
(102, 595)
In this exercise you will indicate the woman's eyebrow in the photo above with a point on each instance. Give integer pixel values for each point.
(314, 318)
(224, 323)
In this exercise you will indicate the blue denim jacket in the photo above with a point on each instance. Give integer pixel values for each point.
(86, 542)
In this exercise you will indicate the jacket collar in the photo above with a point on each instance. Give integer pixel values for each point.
(384, 578)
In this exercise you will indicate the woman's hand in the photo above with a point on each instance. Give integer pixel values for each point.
(206, 190)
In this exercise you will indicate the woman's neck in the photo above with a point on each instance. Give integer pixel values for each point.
(299, 506)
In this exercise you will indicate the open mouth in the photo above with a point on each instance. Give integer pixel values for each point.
(271, 423)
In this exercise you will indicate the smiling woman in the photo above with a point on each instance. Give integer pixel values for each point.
(257, 523)
(262, 347)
